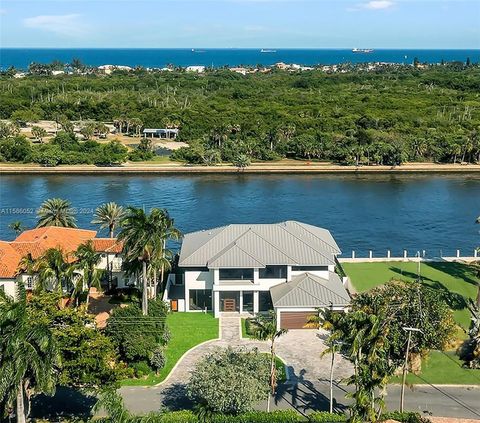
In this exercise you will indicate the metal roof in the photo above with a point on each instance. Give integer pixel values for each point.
(308, 290)
(258, 245)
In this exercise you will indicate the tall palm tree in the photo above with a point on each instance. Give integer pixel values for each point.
(142, 238)
(54, 271)
(109, 215)
(265, 329)
(168, 233)
(16, 227)
(56, 212)
(29, 354)
(88, 260)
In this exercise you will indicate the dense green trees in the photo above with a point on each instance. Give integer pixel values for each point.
(383, 117)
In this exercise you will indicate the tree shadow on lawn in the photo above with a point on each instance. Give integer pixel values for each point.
(454, 300)
(456, 270)
(67, 402)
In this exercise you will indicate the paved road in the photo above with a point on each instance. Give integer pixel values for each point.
(306, 390)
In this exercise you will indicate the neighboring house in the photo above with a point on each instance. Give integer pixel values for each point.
(164, 133)
(287, 266)
(37, 241)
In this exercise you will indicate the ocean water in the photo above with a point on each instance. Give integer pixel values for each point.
(21, 57)
(378, 212)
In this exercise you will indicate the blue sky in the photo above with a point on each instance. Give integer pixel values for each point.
(241, 23)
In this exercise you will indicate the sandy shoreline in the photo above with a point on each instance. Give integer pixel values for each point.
(281, 168)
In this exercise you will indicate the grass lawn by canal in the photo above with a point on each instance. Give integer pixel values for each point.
(188, 330)
(455, 279)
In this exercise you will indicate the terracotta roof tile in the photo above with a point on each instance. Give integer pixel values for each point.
(9, 259)
(107, 245)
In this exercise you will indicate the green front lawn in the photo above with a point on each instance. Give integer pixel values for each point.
(443, 368)
(188, 330)
(455, 279)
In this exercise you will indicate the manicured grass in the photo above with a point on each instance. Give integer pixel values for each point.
(244, 329)
(455, 279)
(188, 330)
(281, 372)
(443, 368)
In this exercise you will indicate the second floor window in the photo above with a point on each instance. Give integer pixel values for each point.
(236, 274)
(273, 272)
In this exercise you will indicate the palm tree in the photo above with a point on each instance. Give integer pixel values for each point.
(29, 354)
(16, 227)
(109, 215)
(142, 238)
(168, 233)
(265, 329)
(56, 212)
(54, 270)
(88, 260)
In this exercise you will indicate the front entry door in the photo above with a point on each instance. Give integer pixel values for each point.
(229, 304)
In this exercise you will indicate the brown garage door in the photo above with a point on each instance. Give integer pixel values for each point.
(295, 319)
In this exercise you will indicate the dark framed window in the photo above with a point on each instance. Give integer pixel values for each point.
(309, 268)
(273, 272)
(248, 301)
(236, 274)
(264, 301)
(200, 299)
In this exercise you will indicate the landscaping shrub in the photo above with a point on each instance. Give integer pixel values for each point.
(326, 417)
(158, 359)
(230, 381)
(280, 416)
(405, 417)
(166, 336)
(141, 368)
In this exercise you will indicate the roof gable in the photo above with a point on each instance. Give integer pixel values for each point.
(308, 290)
(284, 243)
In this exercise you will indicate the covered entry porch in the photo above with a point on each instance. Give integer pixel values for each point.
(241, 301)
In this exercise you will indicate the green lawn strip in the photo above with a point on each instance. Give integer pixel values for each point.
(244, 329)
(443, 368)
(281, 372)
(456, 279)
(188, 330)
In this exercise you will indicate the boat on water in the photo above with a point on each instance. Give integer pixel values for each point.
(267, 50)
(197, 51)
(362, 50)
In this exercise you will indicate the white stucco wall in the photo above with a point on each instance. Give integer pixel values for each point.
(196, 279)
(8, 286)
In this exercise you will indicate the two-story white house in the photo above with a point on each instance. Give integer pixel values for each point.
(287, 267)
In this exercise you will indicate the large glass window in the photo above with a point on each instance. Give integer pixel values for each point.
(236, 274)
(248, 301)
(309, 268)
(273, 272)
(200, 299)
(264, 301)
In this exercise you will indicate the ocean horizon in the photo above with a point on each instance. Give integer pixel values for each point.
(20, 58)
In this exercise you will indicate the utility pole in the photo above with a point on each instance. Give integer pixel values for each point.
(405, 365)
(418, 266)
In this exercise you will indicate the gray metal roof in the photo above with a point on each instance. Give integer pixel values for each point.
(308, 290)
(256, 246)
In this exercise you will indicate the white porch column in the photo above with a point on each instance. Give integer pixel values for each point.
(187, 298)
(255, 302)
(216, 303)
(216, 276)
(289, 273)
(256, 276)
(241, 301)
(277, 311)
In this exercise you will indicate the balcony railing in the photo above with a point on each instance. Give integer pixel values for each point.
(235, 282)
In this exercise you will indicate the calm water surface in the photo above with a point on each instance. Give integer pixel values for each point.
(148, 57)
(431, 212)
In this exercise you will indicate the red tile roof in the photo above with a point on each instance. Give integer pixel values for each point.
(9, 259)
(107, 245)
(37, 241)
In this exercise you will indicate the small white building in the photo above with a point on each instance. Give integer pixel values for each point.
(287, 267)
(197, 69)
(164, 133)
